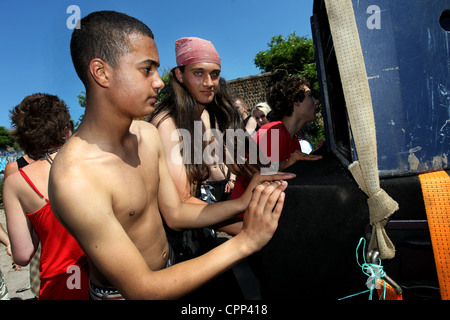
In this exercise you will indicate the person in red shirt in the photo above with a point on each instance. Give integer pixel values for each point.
(293, 106)
(42, 125)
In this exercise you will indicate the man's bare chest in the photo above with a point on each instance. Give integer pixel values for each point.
(133, 187)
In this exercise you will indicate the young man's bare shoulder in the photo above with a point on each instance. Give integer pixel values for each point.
(143, 128)
(162, 119)
(166, 126)
(147, 133)
(76, 159)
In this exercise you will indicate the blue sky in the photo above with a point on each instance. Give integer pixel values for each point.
(34, 37)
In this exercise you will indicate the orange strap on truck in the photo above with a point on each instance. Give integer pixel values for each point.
(436, 196)
(387, 292)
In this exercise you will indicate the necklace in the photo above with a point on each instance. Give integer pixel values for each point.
(47, 156)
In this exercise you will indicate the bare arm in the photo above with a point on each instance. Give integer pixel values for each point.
(23, 237)
(251, 125)
(174, 161)
(11, 167)
(114, 254)
(184, 215)
(4, 236)
(297, 155)
(260, 223)
(230, 183)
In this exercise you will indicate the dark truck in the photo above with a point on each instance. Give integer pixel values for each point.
(406, 56)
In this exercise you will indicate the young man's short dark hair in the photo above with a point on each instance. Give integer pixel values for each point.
(103, 35)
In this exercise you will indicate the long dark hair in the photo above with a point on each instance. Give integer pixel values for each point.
(179, 105)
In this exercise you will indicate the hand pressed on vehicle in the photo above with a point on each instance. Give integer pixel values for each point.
(262, 215)
(260, 179)
(297, 155)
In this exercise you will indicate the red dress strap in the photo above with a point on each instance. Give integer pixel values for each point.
(31, 184)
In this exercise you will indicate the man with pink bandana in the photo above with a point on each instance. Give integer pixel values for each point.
(196, 93)
(197, 51)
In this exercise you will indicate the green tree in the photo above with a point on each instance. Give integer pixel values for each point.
(295, 55)
(82, 102)
(165, 78)
(290, 53)
(82, 99)
(6, 139)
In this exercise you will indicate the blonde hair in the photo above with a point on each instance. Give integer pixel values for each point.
(263, 106)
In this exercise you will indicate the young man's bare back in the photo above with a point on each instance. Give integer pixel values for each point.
(111, 188)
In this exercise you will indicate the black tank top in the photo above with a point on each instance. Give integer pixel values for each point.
(21, 162)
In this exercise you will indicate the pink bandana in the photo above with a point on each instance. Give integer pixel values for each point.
(192, 50)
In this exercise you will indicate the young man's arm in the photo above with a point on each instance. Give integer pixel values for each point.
(87, 213)
(260, 223)
(184, 215)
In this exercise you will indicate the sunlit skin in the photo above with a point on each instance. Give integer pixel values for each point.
(260, 117)
(201, 80)
(308, 108)
(137, 79)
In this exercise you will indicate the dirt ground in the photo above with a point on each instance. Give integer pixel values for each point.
(16, 280)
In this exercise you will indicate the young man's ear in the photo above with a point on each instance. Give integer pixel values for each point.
(99, 70)
(179, 75)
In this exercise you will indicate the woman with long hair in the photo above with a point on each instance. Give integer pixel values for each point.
(197, 101)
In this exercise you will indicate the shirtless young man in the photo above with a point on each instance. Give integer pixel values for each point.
(110, 185)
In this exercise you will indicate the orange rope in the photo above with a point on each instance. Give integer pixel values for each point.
(436, 196)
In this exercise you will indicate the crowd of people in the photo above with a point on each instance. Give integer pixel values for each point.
(122, 208)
